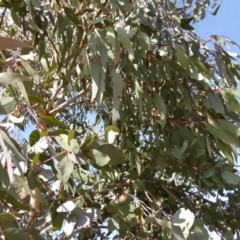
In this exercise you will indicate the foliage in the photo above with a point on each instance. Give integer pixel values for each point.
(158, 160)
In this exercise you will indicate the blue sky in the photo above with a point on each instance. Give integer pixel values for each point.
(226, 23)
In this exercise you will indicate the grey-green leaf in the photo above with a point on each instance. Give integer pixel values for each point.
(217, 103)
(14, 233)
(162, 109)
(7, 78)
(230, 178)
(124, 39)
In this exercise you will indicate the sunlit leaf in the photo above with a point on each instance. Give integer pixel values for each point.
(23, 166)
(184, 219)
(7, 105)
(123, 36)
(68, 206)
(162, 109)
(69, 225)
(66, 168)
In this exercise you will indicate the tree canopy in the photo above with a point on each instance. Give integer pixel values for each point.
(134, 121)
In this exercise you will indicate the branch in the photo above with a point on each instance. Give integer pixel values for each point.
(69, 101)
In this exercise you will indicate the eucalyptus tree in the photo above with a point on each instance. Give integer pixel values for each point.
(134, 121)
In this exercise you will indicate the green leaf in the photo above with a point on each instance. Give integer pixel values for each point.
(34, 181)
(183, 219)
(217, 103)
(7, 216)
(57, 218)
(11, 146)
(35, 26)
(111, 133)
(15, 18)
(162, 109)
(100, 158)
(34, 137)
(230, 101)
(51, 121)
(230, 178)
(146, 39)
(62, 140)
(198, 64)
(208, 173)
(35, 99)
(70, 224)
(71, 15)
(150, 219)
(184, 146)
(139, 185)
(111, 37)
(4, 176)
(177, 233)
(95, 74)
(36, 4)
(7, 105)
(217, 132)
(9, 78)
(124, 39)
(66, 168)
(23, 90)
(228, 126)
(175, 152)
(21, 180)
(83, 177)
(35, 234)
(4, 195)
(185, 24)
(113, 153)
(113, 224)
(101, 86)
(182, 57)
(117, 51)
(13, 233)
(199, 232)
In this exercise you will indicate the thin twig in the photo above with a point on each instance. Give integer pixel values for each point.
(69, 101)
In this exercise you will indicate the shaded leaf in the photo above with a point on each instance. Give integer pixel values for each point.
(13, 233)
(113, 224)
(4, 195)
(71, 15)
(217, 103)
(82, 220)
(113, 153)
(51, 121)
(230, 178)
(139, 185)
